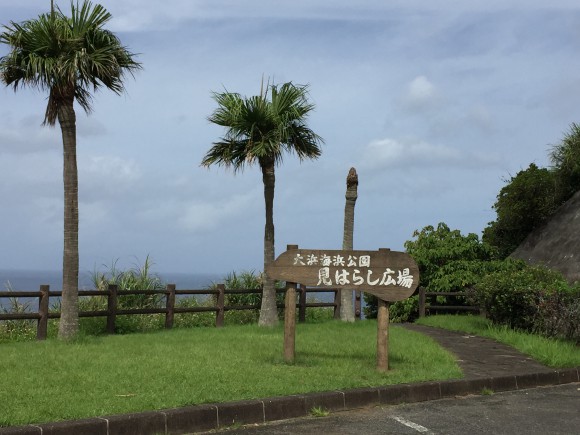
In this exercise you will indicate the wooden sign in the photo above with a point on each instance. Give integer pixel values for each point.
(389, 275)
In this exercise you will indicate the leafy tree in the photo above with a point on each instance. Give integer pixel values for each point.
(260, 129)
(447, 260)
(437, 248)
(524, 203)
(565, 157)
(69, 57)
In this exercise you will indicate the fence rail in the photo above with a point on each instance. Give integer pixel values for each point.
(427, 302)
(113, 293)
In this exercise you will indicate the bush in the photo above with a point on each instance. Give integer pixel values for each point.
(558, 315)
(512, 297)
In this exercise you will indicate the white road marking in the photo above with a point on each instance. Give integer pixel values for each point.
(412, 425)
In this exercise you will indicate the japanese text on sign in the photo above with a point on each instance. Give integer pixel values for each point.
(332, 271)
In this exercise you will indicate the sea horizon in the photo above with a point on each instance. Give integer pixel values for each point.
(32, 279)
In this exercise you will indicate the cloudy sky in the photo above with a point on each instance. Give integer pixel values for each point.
(435, 103)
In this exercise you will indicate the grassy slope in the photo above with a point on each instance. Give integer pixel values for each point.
(50, 381)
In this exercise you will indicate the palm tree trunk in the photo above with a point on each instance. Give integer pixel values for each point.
(268, 310)
(346, 308)
(69, 319)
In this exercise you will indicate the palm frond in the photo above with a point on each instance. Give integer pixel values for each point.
(71, 57)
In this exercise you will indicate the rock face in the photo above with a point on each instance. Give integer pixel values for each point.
(556, 244)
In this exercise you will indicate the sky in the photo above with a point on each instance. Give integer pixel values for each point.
(435, 103)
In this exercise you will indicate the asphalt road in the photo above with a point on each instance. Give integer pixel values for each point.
(546, 410)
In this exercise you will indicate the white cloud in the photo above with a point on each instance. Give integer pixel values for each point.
(112, 169)
(420, 94)
(408, 154)
(391, 153)
(201, 216)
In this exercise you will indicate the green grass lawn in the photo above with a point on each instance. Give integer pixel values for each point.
(550, 352)
(51, 380)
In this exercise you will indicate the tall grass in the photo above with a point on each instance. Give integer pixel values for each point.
(106, 375)
(551, 352)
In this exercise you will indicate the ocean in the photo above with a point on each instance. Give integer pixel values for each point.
(31, 280)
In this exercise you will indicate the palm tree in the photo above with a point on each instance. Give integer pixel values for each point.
(259, 130)
(69, 58)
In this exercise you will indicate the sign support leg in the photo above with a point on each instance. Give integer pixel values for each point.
(290, 322)
(383, 336)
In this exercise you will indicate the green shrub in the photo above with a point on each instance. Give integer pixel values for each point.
(558, 315)
(512, 297)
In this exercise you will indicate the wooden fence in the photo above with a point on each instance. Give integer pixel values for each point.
(170, 293)
(428, 302)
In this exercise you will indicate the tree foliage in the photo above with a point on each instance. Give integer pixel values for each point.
(524, 203)
(448, 261)
(565, 158)
(260, 130)
(532, 196)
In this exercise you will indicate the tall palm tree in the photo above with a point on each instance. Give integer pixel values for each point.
(69, 57)
(259, 130)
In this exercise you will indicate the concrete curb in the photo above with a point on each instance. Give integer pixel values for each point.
(215, 416)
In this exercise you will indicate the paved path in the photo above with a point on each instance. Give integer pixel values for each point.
(481, 357)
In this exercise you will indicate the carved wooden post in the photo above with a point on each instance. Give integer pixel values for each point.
(111, 309)
(346, 312)
(221, 297)
(302, 309)
(383, 336)
(290, 323)
(170, 306)
(42, 325)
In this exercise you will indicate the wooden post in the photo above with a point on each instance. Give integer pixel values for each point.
(111, 309)
(219, 317)
(337, 303)
(302, 309)
(422, 301)
(383, 336)
(290, 322)
(170, 306)
(42, 325)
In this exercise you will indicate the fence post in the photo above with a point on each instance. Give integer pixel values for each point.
(221, 297)
(170, 306)
(111, 309)
(42, 325)
(302, 306)
(422, 301)
(290, 322)
(337, 304)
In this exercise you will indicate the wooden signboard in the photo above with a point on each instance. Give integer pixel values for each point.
(389, 275)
